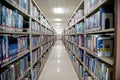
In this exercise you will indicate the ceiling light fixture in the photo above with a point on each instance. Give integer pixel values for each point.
(58, 10)
(57, 19)
(57, 23)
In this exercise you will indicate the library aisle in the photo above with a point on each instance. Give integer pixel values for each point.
(58, 65)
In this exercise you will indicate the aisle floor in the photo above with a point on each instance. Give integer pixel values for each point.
(58, 65)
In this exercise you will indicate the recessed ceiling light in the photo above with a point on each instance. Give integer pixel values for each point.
(57, 23)
(58, 10)
(57, 19)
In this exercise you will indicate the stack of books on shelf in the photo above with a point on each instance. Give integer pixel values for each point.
(80, 68)
(90, 4)
(87, 76)
(11, 47)
(18, 67)
(35, 41)
(35, 13)
(101, 20)
(101, 45)
(35, 55)
(79, 28)
(98, 68)
(35, 27)
(23, 4)
(80, 40)
(79, 14)
(10, 19)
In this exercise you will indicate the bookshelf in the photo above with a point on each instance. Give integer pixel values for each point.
(26, 40)
(81, 39)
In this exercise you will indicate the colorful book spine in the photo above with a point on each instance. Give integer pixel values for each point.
(101, 20)
(35, 41)
(35, 55)
(18, 67)
(0, 13)
(105, 46)
(101, 70)
(10, 47)
(10, 19)
(35, 13)
(35, 27)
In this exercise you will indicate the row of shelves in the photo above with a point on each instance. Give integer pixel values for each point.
(23, 53)
(111, 30)
(108, 60)
(82, 63)
(44, 55)
(87, 13)
(24, 13)
(90, 38)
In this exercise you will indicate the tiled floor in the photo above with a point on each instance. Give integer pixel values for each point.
(58, 66)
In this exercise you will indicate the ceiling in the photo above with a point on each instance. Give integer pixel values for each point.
(68, 6)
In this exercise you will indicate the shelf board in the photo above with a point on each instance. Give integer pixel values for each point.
(33, 48)
(46, 42)
(81, 19)
(37, 60)
(35, 33)
(108, 60)
(80, 60)
(21, 11)
(76, 44)
(92, 74)
(76, 56)
(46, 49)
(102, 31)
(73, 34)
(36, 20)
(17, 33)
(22, 76)
(96, 8)
(13, 60)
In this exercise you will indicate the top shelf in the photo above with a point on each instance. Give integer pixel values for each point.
(20, 10)
(81, 19)
(96, 8)
(102, 31)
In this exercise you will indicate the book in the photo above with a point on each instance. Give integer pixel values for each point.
(11, 20)
(101, 20)
(0, 13)
(18, 67)
(35, 27)
(1, 57)
(105, 46)
(3, 17)
(35, 41)
(35, 55)
(106, 18)
(13, 47)
(98, 68)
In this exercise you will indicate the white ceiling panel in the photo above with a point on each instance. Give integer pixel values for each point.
(47, 7)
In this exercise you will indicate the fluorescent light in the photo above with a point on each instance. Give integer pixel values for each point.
(58, 56)
(58, 61)
(57, 23)
(58, 69)
(58, 10)
(57, 19)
